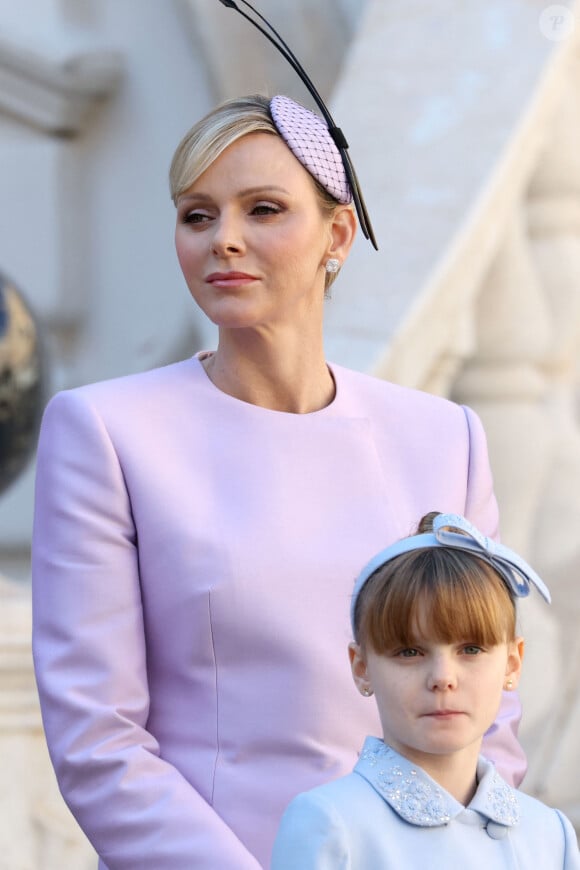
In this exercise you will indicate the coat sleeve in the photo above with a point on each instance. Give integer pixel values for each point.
(90, 659)
(571, 852)
(500, 743)
(311, 836)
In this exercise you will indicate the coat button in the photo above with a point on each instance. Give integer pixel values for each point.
(496, 831)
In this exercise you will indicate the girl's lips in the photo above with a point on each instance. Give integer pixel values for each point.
(444, 714)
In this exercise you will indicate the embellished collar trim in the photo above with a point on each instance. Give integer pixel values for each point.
(419, 800)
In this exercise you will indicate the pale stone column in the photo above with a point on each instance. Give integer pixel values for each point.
(554, 226)
(36, 829)
(524, 383)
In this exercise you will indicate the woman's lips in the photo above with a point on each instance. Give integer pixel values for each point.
(229, 279)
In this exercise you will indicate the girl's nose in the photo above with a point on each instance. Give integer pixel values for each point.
(442, 675)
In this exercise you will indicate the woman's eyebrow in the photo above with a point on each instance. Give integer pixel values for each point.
(263, 188)
(247, 191)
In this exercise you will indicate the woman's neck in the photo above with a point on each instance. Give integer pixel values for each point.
(283, 375)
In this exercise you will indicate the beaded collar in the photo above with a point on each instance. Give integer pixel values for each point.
(419, 800)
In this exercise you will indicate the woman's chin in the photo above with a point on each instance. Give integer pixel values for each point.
(233, 314)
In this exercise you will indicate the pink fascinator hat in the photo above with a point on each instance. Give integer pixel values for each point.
(307, 136)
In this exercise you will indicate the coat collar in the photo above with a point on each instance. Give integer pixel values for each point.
(418, 799)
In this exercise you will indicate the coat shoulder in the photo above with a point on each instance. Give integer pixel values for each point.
(149, 389)
(413, 410)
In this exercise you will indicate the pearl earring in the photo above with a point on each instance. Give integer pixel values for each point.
(367, 692)
(509, 685)
(332, 266)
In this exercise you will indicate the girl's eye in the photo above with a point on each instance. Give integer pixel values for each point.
(471, 649)
(408, 653)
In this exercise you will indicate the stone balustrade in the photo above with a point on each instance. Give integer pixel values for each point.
(36, 829)
(476, 290)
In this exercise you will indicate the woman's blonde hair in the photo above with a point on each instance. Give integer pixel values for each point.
(219, 129)
(212, 134)
(462, 598)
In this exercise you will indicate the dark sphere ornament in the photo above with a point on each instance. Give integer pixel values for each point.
(21, 382)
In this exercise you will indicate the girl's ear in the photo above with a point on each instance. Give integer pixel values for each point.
(358, 667)
(514, 663)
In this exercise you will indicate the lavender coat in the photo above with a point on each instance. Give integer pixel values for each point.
(193, 559)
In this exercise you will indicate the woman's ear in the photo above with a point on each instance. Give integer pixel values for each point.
(514, 663)
(343, 228)
(358, 667)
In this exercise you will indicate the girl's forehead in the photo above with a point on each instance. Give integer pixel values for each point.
(423, 622)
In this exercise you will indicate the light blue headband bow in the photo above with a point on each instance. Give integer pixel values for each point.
(515, 572)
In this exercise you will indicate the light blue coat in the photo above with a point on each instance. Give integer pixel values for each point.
(390, 815)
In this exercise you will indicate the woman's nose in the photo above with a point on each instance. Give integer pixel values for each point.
(227, 238)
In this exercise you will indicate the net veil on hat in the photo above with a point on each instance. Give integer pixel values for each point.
(307, 136)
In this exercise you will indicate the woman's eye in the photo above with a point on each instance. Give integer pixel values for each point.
(266, 208)
(195, 217)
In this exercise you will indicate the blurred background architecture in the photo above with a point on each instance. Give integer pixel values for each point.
(464, 125)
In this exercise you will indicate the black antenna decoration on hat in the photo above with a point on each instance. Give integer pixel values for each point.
(336, 133)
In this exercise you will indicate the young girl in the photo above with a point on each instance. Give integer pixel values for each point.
(433, 618)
